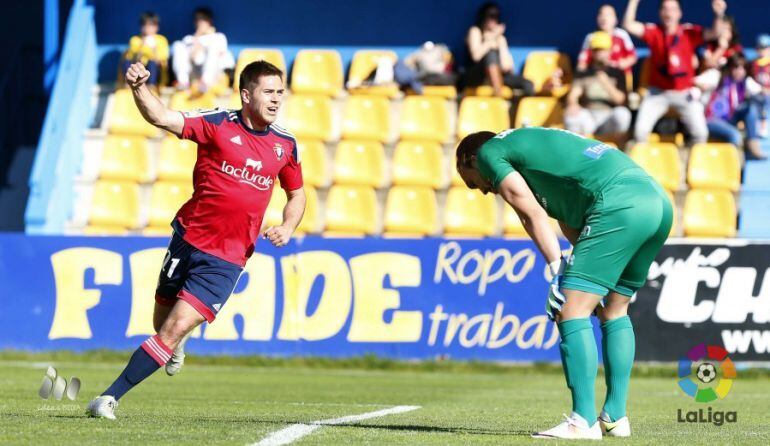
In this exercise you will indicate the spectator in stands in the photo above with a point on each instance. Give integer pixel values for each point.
(432, 64)
(200, 59)
(672, 72)
(761, 73)
(718, 50)
(491, 62)
(149, 48)
(622, 54)
(729, 103)
(596, 103)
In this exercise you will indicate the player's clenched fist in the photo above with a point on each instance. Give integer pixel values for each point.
(137, 75)
(278, 235)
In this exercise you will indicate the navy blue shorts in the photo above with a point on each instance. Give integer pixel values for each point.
(200, 279)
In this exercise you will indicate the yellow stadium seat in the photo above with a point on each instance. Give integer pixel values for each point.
(715, 165)
(418, 163)
(188, 101)
(308, 116)
(709, 213)
(234, 103)
(115, 203)
(317, 71)
(539, 112)
(351, 210)
(158, 231)
(425, 118)
(166, 199)
(312, 153)
(675, 218)
(176, 159)
(274, 212)
(249, 55)
(661, 161)
(477, 114)
(366, 117)
(469, 213)
(540, 66)
(487, 91)
(360, 163)
(455, 178)
(362, 65)
(126, 158)
(441, 91)
(411, 211)
(104, 230)
(125, 118)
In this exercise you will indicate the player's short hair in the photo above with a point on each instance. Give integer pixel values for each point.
(253, 71)
(204, 13)
(149, 17)
(469, 147)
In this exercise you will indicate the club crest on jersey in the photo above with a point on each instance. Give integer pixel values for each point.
(278, 149)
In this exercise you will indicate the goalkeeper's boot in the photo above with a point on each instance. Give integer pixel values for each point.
(102, 407)
(620, 428)
(174, 365)
(572, 428)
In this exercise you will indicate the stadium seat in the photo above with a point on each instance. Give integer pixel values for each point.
(441, 91)
(176, 159)
(755, 215)
(351, 211)
(188, 101)
(755, 177)
(274, 212)
(249, 55)
(363, 64)
(115, 203)
(469, 213)
(125, 119)
(366, 117)
(539, 112)
(540, 66)
(454, 175)
(418, 163)
(360, 163)
(477, 114)
(158, 231)
(165, 200)
(675, 217)
(126, 158)
(714, 165)
(308, 116)
(661, 161)
(315, 168)
(425, 118)
(488, 91)
(411, 211)
(317, 71)
(100, 230)
(709, 213)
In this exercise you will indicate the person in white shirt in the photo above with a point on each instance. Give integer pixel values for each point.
(201, 58)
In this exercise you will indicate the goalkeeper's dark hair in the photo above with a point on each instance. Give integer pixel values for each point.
(469, 147)
(253, 71)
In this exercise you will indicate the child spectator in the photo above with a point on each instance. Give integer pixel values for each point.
(761, 72)
(622, 54)
(491, 62)
(201, 59)
(729, 43)
(149, 48)
(729, 104)
(595, 105)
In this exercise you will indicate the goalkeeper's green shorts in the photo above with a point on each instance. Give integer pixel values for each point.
(624, 231)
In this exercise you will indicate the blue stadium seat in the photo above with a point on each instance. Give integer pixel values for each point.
(756, 176)
(754, 215)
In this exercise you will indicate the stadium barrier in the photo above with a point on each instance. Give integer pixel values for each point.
(408, 299)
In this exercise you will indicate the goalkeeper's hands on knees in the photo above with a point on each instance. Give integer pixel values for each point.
(555, 298)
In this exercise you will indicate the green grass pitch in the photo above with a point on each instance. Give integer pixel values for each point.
(237, 402)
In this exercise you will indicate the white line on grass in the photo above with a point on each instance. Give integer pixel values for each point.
(297, 431)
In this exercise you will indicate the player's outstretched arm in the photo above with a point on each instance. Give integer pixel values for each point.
(633, 26)
(292, 215)
(149, 105)
(515, 192)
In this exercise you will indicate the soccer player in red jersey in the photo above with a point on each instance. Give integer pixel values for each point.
(241, 153)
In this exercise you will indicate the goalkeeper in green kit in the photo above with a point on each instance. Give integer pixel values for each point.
(616, 217)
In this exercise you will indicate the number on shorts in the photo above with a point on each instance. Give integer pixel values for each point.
(174, 263)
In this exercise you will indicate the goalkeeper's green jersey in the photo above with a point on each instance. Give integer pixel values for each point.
(565, 171)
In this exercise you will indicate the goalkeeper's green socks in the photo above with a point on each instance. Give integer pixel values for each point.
(580, 360)
(618, 347)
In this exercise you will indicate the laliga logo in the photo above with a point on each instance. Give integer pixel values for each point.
(248, 175)
(699, 378)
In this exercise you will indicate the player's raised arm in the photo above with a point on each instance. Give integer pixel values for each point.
(515, 192)
(633, 26)
(149, 105)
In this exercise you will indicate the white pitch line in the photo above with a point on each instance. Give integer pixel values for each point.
(297, 431)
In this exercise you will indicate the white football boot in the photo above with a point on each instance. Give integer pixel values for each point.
(174, 365)
(102, 407)
(572, 428)
(620, 428)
